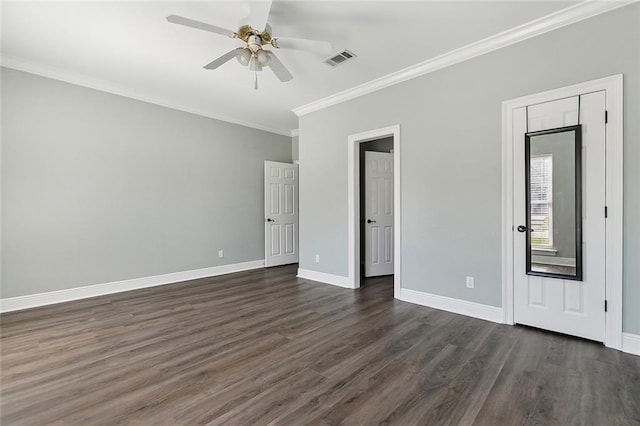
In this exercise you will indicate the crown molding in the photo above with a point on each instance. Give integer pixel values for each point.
(295, 132)
(108, 87)
(553, 21)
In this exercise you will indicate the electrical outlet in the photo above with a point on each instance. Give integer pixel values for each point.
(220, 254)
(317, 258)
(470, 283)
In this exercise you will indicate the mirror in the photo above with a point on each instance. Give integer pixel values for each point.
(554, 203)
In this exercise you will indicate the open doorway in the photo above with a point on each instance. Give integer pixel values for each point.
(376, 212)
(389, 138)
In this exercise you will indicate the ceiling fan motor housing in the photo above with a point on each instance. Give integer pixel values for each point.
(254, 43)
(246, 31)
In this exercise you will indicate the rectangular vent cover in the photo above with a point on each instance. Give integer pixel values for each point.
(340, 58)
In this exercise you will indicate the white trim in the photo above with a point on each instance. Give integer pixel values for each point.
(613, 86)
(457, 306)
(551, 260)
(631, 343)
(323, 277)
(295, 132)
(614, 201)
(507, 214)
(52, 297)
(544, 251)
(553, 21)
(353, 195)
(109, 87)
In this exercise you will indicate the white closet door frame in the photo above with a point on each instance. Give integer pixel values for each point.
(614, 196)
(353, 175)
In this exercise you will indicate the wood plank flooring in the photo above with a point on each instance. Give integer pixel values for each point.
(264, 347)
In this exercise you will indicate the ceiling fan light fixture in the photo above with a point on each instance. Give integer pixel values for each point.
(244, 56)
(263, 57)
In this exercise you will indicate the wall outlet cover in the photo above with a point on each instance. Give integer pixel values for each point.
(470, 283)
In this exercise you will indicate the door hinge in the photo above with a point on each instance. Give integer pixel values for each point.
(605, 306)
(606, 212)
(606, 117)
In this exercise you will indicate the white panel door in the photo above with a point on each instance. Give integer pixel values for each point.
(378, 214)
(566, 306)
(550, 115)
(280, 213)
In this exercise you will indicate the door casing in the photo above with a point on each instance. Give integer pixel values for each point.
(353, 176)
(613, 86)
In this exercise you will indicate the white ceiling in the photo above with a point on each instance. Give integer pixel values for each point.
(130, 46)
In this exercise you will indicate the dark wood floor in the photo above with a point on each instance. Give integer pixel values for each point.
(264, 347)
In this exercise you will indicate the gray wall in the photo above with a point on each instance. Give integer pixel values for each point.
(451, 158)
(294, 148)
(99, 188)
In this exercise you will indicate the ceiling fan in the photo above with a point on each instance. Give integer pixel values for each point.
(252, 54)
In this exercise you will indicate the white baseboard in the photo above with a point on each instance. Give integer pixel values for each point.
(631, 343)
(49, 298)
(457, 306)
(323, 277)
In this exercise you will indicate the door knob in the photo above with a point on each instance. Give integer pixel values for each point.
(371, 221)
(270, 220)
(522, 228)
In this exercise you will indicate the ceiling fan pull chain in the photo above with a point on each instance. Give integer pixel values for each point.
(255, 81)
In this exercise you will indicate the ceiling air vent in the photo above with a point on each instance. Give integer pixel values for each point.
(340, 58)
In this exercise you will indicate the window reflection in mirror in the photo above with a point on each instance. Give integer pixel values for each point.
(554, 214)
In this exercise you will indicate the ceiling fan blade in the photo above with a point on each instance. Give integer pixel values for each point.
(317, 46)
(175, 19)
(278, 68)
(222, 59)
(259, 14)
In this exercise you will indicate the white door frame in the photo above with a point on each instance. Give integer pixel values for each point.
(353, 175)
(614, 196)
